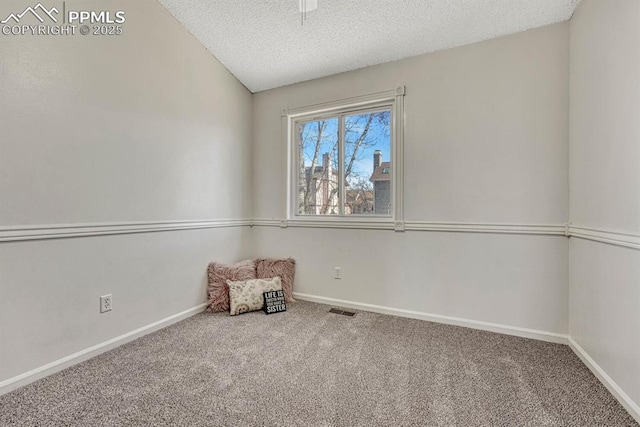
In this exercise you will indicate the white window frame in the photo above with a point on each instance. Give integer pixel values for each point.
(392, 99)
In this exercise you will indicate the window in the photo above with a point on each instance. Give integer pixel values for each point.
(342, 160)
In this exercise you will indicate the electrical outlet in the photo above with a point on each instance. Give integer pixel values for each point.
(105, 303)
(338, 275)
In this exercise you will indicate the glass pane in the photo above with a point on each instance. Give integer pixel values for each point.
(367, 163)
(318, 192)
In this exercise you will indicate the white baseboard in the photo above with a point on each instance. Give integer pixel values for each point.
(60, 364)
(609, 383)
(606, 380)
(437, 318)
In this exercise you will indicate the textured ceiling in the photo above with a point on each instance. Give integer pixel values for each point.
(263, 43)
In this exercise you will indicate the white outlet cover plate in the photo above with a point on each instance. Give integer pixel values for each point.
(106, 303)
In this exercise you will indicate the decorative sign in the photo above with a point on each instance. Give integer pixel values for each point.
(274, 302)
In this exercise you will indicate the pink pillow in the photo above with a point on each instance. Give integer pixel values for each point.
(284, 268)
(219, 274)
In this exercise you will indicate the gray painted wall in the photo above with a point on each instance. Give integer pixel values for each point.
(139, 127)
(605, 186)
(486, 141)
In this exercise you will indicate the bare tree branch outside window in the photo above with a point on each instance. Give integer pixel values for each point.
(367, 143)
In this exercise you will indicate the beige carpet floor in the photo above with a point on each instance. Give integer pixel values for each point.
(307, 367)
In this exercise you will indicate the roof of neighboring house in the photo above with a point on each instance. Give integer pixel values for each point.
(379, 173)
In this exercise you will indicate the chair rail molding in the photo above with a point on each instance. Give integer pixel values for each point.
(627, 239)
(382, 224)
(16, 233)
(62, 231)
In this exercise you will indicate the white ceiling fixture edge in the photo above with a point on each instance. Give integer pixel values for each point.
(263, 43)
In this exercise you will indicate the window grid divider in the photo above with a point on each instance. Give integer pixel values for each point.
(341, 177)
